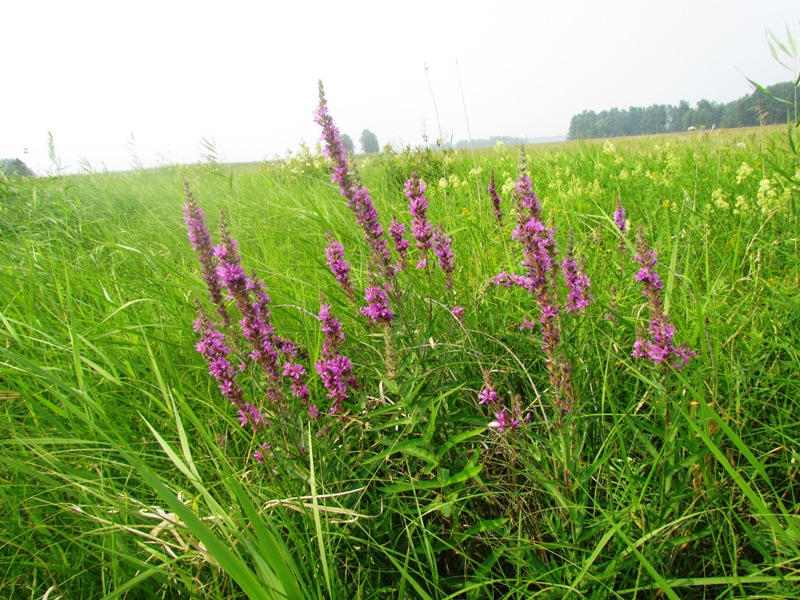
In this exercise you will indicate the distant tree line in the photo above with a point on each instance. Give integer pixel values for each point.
(490, 141)
(15, 167)
(754, 109)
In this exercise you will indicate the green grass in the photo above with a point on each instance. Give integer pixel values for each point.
(125, 474)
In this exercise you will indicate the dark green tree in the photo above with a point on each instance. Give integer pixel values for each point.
(348, 144)
(15, 167)
(369, 142)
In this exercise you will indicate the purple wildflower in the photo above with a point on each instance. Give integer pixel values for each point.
(539, 256)
(377, 311)
(619, 221)
(334, 254)
(358, 198)
(619, 218)
(660, 349)
(458, 313)
(495, 199)
(577, 283)
(489, 397)
(332, 330)
(526, 201)
(295, 373)
(397, 231)
(212, 347)
(420, 228)
(200, 239)
(444, 252)
(259, 454)
(333, 368)
(504, 419)
(335, 373)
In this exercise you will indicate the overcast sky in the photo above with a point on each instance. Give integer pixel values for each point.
(115, 79)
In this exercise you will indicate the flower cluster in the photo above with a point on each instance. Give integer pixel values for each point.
(498, 213)
(333, 368)
(539, 260)
(377, 310)
(660, 348)
(504, 418)
(200, 239)
(526, 201)
(619, 221)
(444, 252)
(358, 198)
(213, 348)
(334, 255)
(420, 228)
(577, 283)
(397, 232)
(252, 301)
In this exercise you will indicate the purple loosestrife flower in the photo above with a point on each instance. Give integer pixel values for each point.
(333, 147)
(526, 201)
(295, 372)
(397, 231)
(252, 301)
(259, 454)
(334, 254)
(619, 221)
(377, 311)
(619, 218)
(332, 329)
(358, 198)
(420, 228)
(458, 313)
(539, 256)
(660, 349)
(495, 199)
(333, 368)
(213, 349)
(200, 239)
(577, 283)
(444, 252)
(489, 397)
(504, 419)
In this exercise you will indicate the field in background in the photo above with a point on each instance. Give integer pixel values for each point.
(125, 474)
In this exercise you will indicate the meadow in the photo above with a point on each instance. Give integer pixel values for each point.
(481, 425)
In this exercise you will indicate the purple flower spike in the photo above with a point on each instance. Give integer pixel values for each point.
(358, 198)
(495, 200)
(420, 228)
(397, 231)
(539, 260)
(577, 283)
(619, 218)
(444, 252)
(334, 255)
(660, 349)
(212, 347)
(377, 310)
(333, 368)
(200, 239)
(525, 199)
(619, 221)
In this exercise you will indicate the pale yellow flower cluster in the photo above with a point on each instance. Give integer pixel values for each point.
(743, 173)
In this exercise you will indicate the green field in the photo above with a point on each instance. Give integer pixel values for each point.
(125, 473)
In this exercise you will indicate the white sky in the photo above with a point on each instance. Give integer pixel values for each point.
(111, 76)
